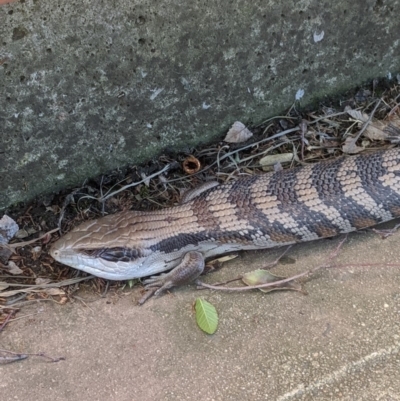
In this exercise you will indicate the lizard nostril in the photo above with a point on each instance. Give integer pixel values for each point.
(54, 253)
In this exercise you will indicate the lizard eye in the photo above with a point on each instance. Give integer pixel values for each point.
(117, 254)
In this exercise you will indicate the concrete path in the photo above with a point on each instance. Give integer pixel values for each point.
(339, 342)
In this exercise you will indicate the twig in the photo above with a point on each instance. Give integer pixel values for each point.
(24, 316)
(40, 354)
(7, 320)
(366, 124)
(52, 359)
(275, 118)
(110, 194)
(264, 151)
(365, 265)
(15, 300)
(17, 357)
(225, 156)
(20, 244)
(84, 303)
(103, 295)
(279, 282)
(335, 252)
(277, 260)
(303, 131)
(327, 116)
(40, 287)
(386, 233)
(17, 306)
(66, 202)
(268, 266)
(254, 287)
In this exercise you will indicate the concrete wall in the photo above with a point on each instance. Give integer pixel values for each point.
(86, 86)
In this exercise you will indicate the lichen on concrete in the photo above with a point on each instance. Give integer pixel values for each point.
(88, 86)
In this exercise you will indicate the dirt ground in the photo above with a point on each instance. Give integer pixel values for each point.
(341, 341)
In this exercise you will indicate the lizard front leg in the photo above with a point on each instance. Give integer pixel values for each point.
(190, 267)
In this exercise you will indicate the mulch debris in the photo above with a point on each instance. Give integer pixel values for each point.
(366, 119)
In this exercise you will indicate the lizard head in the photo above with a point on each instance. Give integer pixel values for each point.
(109, 248)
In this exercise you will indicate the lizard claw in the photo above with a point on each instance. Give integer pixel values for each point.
(191, 266)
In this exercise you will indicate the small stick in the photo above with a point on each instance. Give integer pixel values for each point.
(109, 194)
(19, 244)
(276, 283)
(24, 316)
(40, 354)
(366, 124)
(17, 357)
(7, 320)
(386, 233)
(254, 287)
(268, 266)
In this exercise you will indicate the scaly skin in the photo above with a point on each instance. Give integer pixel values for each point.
(254, 212)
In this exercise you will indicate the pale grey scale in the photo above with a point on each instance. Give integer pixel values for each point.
(247, 197)
(284, 212)
(376, 197)
(356, 199)
(346, 195)
(318, 192)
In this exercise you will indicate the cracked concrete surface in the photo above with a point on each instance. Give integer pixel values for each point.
(339, 342)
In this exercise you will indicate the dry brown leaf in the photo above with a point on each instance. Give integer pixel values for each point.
(350, 146)
(375, 129)
(54, 291)
(238, 133)
(41, 280)
(271, 160)
(5, 254)
(21, 234)
(12, 268)
(357, 114)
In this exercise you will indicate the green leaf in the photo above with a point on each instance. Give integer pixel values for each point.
(206, 316)
(131, 282)
(260, 276)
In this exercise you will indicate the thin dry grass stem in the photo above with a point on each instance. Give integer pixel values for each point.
(276, 118)
(268, 266)
(268, 150)
(318, 119)
(7, 319)
(366, 124)
(279, 282)
(20, 304)
(83, 302)
(40, 354)
(386, 233)
(24, 316)
(21, 244)
(134, 184)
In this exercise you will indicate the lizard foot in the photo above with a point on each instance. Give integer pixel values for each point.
(190, 267)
